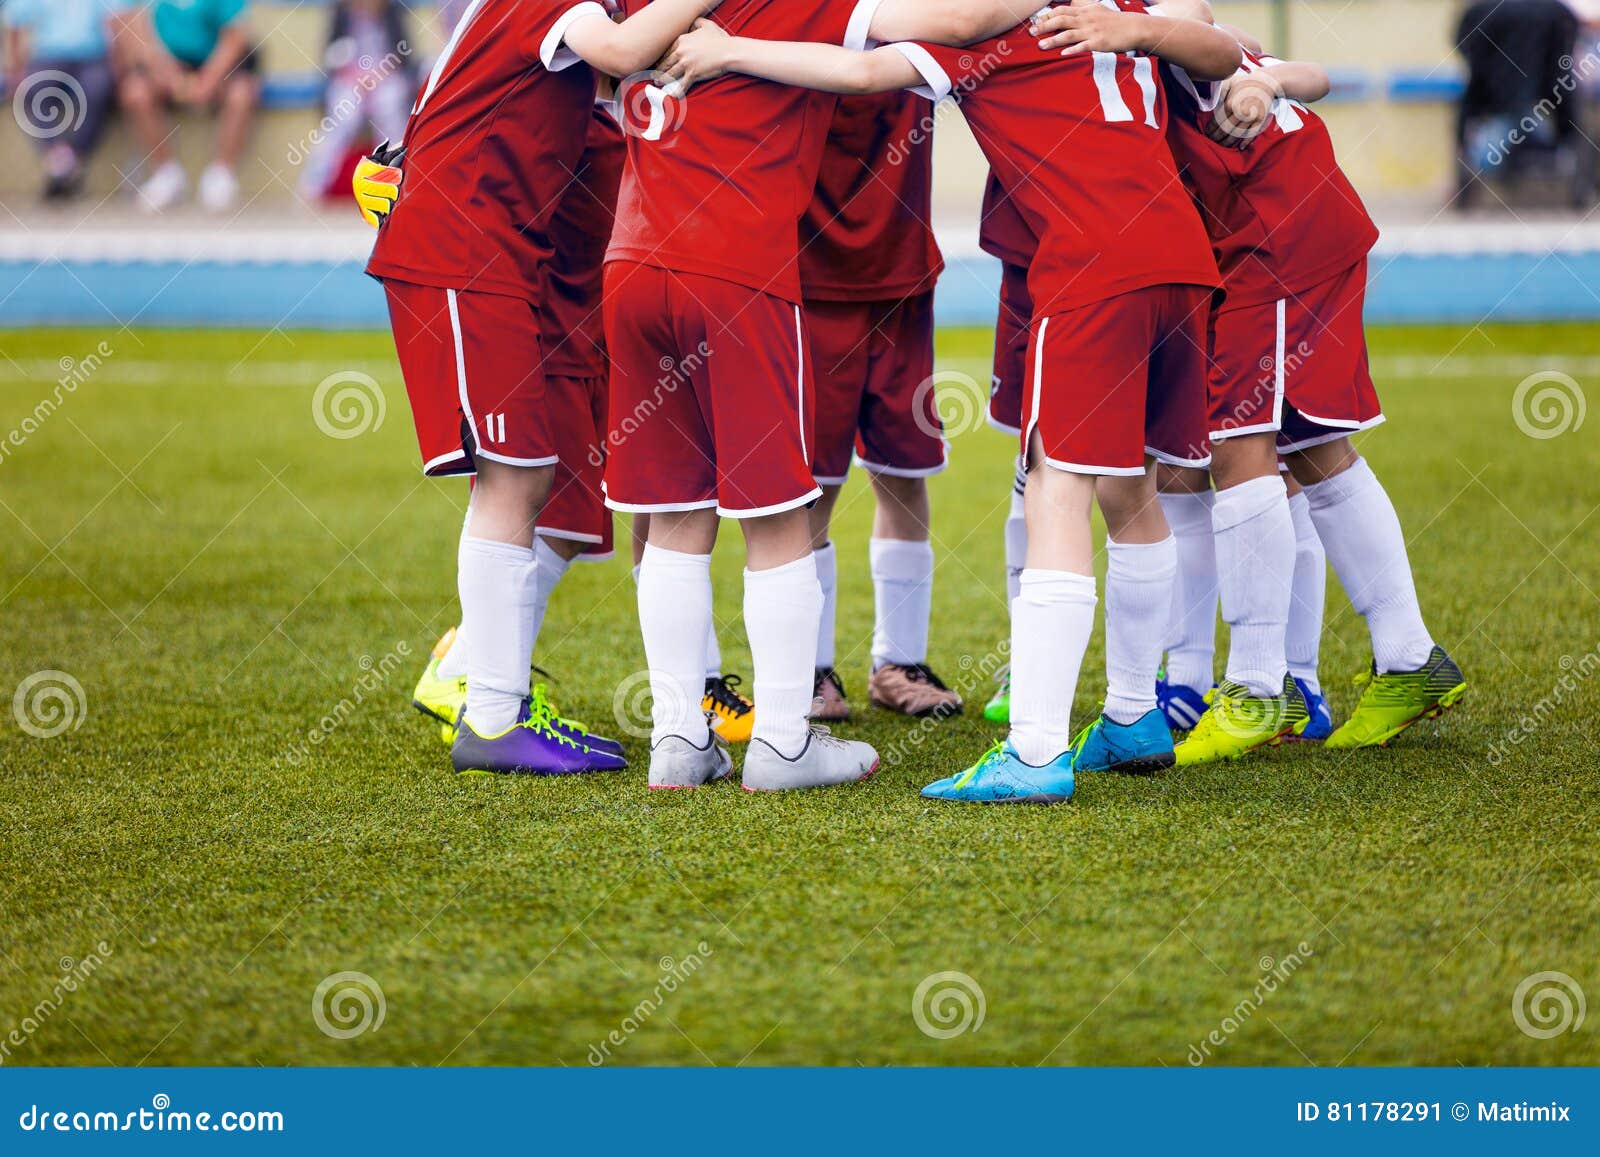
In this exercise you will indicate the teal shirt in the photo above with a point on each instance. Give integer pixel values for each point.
(190, 28)
(64, 29)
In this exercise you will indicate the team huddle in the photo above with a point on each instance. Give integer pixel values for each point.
(707, 293)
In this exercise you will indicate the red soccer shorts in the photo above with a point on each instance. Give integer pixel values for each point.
(875, 388)
(1011, 351)
(711, 396)
(471, 365)
(576, 509)
(1117, 380)
(1297, 366)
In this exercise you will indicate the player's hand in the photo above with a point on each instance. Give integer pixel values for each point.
(1243, 109)
(701, 54)
(377, 184)
(1091, 28)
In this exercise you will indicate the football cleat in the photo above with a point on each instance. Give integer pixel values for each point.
(1238, 723)
(1142, 747)
(1182, 706)
(1320, 725)
(998, 709)
(440, 699)
(1393, 701)
(527, 747)
(732, 715)
(912, 689)
(1001, 777)
(823, 762)
(544, 711)
(828, 702)
(677, 763)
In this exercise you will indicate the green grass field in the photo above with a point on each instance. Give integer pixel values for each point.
(220, 577)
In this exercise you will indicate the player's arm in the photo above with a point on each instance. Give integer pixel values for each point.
(708, 52)
(635, 44)
(1202, 50)
(1299, 79)
(1247, 100)
(952, 22)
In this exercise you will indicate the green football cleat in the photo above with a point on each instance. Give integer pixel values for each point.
(1392, 702)
(440, 699)
(998, 709)
(1237, 723)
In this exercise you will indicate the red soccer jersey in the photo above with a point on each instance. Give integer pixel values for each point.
(1281, 213)
(490, 148)
(571, 317)
(1004, 232)
(868, 234)
(717, 184)
(1080, 144)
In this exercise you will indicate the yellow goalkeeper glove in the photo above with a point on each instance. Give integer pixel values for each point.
(377, 183)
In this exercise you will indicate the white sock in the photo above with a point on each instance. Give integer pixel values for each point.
(498, 584)
(828, 575)
(1050, 627)
(1139, 582)
(1361, 533)
(1310, 595)
(713, 648)
(781, 611)
(453, 663)
(1255, 573)
(674, 607)
(902, 583)
(552, 568)
(1192, 637)
(1016, 536)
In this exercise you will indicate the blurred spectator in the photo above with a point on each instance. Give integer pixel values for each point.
(59, 72)
(371, 85)
(195, 54)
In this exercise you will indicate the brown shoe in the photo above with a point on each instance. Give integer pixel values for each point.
(829, 704)
(913, 690)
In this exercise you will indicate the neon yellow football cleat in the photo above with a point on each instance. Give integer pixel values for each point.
(1394, 701)
(440, 699)
(1237, 723)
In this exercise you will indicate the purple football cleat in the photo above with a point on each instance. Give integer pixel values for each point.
(529, 747)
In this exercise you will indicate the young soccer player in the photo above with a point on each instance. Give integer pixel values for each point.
(868, 265)
(1289, 374)
(500, 127)
(703, 278)
(1120, 286)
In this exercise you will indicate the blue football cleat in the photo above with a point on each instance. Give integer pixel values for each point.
(1142, 747)
(1321, 723)
(1182, 706)
(1001, 777)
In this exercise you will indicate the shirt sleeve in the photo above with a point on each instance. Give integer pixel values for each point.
(944, 69)
(553, 53)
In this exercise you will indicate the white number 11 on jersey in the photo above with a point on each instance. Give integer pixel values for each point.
(1112, 104)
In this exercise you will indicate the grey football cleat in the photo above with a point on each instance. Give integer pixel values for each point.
(677, 763)
(823, 762)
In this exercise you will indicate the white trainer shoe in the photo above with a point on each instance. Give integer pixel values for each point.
(166, 187)
(677, 763)
(824, 761)
(219, 188)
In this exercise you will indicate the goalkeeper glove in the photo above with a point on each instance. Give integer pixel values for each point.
(377, 183)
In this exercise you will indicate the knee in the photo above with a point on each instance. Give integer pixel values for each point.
(241, 92)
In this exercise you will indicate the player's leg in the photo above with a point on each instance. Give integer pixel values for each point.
(1131, 736)
(1187, 500)
(900, 442)
(1005, 414)
(1306, 608)
(762, 391)
(662, 463)
(830, 703)
(1256, 703)
(1332, 396)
